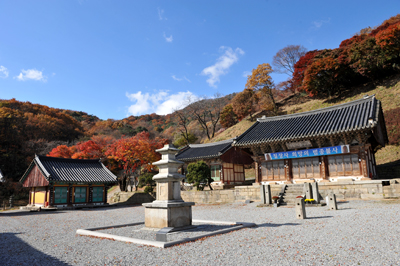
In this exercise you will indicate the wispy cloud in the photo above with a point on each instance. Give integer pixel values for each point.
(161, 102)
(180, 79)
(168, 39)
(31, 74)
(221, 67)
(160, 14)
(3, 72)
(246, 74)
(318, 23)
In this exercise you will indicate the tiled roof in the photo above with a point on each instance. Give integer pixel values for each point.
(343, 118)
(72, 170)
(203, 151)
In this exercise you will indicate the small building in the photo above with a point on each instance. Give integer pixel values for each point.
(328, 144)
(226, 162)
(60, 182)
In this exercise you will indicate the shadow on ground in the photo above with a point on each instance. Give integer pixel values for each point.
(15, 251)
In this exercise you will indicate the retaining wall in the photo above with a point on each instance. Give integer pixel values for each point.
(132, 197)
(374, 189)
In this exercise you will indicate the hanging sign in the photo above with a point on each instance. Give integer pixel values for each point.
(307, 153)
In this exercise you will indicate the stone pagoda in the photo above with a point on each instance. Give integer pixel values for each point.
(168, 210)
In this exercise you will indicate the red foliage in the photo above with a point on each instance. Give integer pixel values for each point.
(61, 151)
(129, 153)
(300, 67)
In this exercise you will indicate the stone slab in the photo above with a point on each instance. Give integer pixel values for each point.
(92, 233)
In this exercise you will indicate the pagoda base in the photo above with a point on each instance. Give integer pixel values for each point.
(160, 214)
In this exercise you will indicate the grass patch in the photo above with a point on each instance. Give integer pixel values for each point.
(387, 154)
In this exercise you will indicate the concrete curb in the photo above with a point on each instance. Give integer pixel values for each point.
(91, 232)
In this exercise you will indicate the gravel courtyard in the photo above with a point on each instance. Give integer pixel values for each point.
(359, 233)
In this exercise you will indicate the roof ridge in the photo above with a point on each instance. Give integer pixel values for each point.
(211, 144)
(65, 159)
(325, 109)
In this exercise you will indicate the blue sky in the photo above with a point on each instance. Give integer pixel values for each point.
(115, 58)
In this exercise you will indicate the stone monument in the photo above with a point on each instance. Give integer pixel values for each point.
(168, 210)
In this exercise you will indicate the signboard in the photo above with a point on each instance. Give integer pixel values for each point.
(307, 153)
(299, 144)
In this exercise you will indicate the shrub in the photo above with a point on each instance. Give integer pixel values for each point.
(199, 175)
(146, 179)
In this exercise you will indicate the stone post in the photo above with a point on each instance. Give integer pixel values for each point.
(332, 202)
(168, 210)
(262, 194)
(265, 191)
(315, 192)
(300, 208)
(307, 190)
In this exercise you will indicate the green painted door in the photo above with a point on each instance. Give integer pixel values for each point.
(60, 194)
(97, 194)
(80, 194)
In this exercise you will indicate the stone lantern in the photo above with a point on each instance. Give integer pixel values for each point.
(168, 210)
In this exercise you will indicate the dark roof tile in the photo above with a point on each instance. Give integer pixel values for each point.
(204, 151)
(347, 117)
(73, 170)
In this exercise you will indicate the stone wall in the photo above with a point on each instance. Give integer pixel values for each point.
(132, 197)
(373, 189)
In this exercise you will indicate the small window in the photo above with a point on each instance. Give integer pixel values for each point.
(60, 195)
(216, 172)
(97, 194)
(80, 194)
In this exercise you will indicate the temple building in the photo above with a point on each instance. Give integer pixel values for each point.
(62, 183)
(227, 163)
(327, 144)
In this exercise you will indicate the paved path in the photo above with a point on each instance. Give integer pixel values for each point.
(359, 233)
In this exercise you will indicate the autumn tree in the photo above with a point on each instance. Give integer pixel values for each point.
(244, 103)
(180, 141)
(207, 112)
(285, 59)
(261, 82)
(183, 120)
(133, 153)
(228, 116)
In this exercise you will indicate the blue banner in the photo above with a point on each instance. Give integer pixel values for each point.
(307, 153)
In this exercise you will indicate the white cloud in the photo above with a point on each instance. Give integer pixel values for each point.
(180, 79)
(3, 72)
(318, 24)
(221, 67)
(160, 14)
(246, 74)
(168, 39)
(31, 74)
(161, 103)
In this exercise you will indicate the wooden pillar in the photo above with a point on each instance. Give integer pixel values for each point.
(105, 194)
(45, 197)
(288, 171)
(90, 196)
(324, 168)
(34, 194)
(69, 195)
(30, 196)
(364, 168)
(51, 195)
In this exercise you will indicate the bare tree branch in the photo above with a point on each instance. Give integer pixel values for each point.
(287, 57)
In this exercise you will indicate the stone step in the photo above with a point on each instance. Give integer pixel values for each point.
(294, 191)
